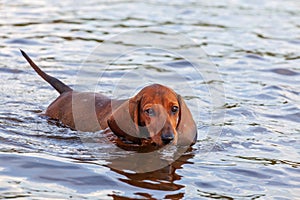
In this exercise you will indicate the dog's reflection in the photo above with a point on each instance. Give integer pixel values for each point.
(163, 179)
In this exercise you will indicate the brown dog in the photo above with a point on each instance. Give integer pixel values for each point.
(155, 117)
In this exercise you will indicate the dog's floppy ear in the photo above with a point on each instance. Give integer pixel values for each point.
(186, 128)
(124, 120)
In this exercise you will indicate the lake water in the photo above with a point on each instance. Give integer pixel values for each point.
(245, 96)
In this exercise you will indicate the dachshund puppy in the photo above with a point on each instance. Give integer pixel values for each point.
(155, 117)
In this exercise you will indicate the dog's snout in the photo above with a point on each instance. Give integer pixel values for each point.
(167, 137)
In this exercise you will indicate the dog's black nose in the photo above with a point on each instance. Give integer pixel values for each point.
(167, 137)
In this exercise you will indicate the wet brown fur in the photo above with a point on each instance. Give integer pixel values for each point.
(132, 126)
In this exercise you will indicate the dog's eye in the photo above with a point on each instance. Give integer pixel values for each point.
(174, 109)
(150, 112)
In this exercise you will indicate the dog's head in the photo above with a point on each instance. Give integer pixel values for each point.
(156, 114)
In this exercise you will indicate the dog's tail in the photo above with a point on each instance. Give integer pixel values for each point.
(57, 84)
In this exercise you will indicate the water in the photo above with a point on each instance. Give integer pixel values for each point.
(256, 47)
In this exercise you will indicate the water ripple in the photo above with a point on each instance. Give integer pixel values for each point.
(256, 48)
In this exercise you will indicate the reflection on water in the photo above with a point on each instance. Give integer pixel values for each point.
(161, 179)
(86, 179)
(255, 46)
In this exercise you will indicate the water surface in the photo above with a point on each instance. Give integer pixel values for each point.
(256, 47)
